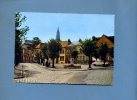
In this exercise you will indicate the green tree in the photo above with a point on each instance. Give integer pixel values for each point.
(45, 52)
(69, 41)
(38, 54)
(111, 52)
(103, 52)
(74, 54)
(88, 48)
(70, 50)
(35, 41)
(94, 38)
(96, 53)
(80, 40)
(54, 47)
(20, 33)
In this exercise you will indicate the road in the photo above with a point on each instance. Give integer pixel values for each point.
(35, 73)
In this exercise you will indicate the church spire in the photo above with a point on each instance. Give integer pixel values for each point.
(58, 34)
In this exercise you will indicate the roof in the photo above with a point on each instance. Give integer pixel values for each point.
(29, 42)
(39, 46)
(111, 38)
(108, 39)
(64, 43)
(74, 43)
(26, 46)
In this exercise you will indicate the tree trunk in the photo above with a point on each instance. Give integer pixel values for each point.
(56, 59)
(91, 59)
(47, 62)
(104, 63)
(74, 61)
(53, 63)
(89, 62)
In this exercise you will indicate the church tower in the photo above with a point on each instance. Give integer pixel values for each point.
(58, 35)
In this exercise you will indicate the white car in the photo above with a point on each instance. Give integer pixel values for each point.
(99, 63)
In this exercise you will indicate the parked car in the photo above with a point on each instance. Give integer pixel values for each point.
(100, 63)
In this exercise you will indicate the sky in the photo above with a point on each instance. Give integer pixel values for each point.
(71, 26)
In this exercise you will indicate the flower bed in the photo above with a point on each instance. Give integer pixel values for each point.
(72, 66)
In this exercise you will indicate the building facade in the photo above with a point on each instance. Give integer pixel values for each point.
(63, 57)
(28, 52)
(109, 40)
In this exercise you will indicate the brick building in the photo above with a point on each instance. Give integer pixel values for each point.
(109, 40)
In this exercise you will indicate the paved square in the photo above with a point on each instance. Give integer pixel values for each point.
(35, 73)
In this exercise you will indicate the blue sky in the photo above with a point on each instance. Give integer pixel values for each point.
(72, 26)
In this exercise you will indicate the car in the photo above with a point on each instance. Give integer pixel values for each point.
(100, 63)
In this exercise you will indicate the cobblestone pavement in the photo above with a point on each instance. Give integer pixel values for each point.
(35, 73)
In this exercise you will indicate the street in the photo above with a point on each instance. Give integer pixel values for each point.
(35, 73)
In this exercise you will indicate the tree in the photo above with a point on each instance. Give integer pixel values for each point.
(103, 52)
(94, 38)
(88, 48)
(80, 40)
(45, 52)
(96, 52)
(54, 47)
(69, 41)
(111, 52)
(38, 54)
(20, 33)
(70, 50)
(35, 41)
(74, 54)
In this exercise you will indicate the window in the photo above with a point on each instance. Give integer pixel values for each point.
(68, 51)
(80, 57)
(62, 51)
(61, 58)
(83, 57)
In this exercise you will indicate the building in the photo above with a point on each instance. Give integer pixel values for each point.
(58, 35)
(81, 58)
(39, 57)
(109, 40)
(63, 57)
(38, 48)
(28, 52)
(31, 53)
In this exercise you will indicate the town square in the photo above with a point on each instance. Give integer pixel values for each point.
(64, 57)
